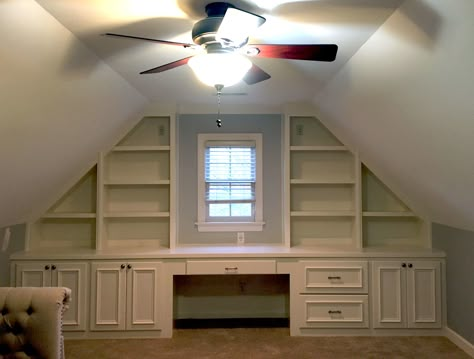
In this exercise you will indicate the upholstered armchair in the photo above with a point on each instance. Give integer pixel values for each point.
(31, 322)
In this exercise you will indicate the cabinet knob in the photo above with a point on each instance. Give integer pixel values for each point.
(122, 266)
(129, 266)
(46, 267)
(53, 267)
(404, 265)
(410, 265)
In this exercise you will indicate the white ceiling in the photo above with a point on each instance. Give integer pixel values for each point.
(347, 23)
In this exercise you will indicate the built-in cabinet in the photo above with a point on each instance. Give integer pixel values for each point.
(70, 274)
(406, 294)
(125, 295)
(332, 294)
(342, 226)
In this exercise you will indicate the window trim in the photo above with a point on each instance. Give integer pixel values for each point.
(206, 226)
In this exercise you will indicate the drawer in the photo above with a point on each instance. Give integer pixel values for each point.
(231, 267)
(333, 276)
(333, 311)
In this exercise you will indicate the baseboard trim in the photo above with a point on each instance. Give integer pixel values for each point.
(460, 341)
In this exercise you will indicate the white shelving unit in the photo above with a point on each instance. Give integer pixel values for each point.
(321, 184)
(336, 201)
(136, 188)
(386, 220)
(71, 221)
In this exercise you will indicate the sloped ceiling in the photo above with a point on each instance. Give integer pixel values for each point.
(405, 100)
(347, 23)
(401, 94)
(53, 119)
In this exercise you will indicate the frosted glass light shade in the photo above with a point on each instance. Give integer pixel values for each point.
(220, 68)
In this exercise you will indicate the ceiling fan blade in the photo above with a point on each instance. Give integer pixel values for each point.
(164, 42)
(326, 52)
(237, 25)
(168, 66)
(255, 75)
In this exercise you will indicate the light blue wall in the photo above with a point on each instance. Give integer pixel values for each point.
(271, 128)
(459, 247)
(17, 243)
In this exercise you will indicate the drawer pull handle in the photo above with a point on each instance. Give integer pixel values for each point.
(334, 277)
(231, 269)
(334, 312)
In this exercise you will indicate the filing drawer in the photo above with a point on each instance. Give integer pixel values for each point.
(231, 267)
(334, 276)
(333, 311)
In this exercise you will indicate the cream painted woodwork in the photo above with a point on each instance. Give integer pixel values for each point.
(387, 221)
(321, 182)
(125, 295)
(136, 183)
(406, 294)
(229, 266)
(342, 225)
(330, 294)
(71, 221)
(325, 276)
(334, 311)
(335, 201)
(73, 275)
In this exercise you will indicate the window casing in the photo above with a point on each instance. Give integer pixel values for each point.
(230, 182)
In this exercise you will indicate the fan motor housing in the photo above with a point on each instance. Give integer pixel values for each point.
(204, 31)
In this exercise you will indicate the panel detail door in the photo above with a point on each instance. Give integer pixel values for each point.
(59, 274)
(424, 294)
(108, 286)
(406, 294)
(33, 275)
(389, 298)
(73, 276)
(143, 283)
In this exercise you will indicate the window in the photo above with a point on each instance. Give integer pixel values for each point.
(229, 185)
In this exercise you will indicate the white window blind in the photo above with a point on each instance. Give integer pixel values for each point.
(230, 178)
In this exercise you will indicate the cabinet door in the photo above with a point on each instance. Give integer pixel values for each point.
(424, 294)
(108, 284)
(143, 283)
(33, 275)
(73, 276)
(389, 297)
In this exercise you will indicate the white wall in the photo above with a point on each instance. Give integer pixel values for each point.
(405, 100)
(59, 105)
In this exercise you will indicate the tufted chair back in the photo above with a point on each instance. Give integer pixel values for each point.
(31, 322)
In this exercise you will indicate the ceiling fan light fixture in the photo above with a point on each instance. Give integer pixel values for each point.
(222, 68)
(237, 25)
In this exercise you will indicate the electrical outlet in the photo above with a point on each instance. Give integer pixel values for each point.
(240, 237)
(299, 129)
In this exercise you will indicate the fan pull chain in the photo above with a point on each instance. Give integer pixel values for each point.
(219, 89)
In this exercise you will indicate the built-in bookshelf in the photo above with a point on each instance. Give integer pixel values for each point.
(387, 221)
(71, 221)
(322, 178)
(135, 201)
(336, 201)
(127, 200)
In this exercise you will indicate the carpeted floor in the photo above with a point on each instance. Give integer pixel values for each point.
(258, 343)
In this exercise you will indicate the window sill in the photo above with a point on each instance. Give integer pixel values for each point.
(230, 226)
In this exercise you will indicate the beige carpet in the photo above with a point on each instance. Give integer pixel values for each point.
(259, 343)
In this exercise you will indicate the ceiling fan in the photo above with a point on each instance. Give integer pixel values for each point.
(221, 40)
